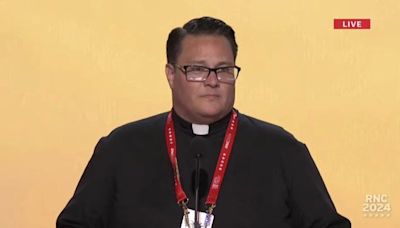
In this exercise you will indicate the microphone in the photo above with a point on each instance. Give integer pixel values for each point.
(198, 147)
(203, 183)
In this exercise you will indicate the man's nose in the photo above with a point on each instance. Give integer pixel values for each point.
(212, 79)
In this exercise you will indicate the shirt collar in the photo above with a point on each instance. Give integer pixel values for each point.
(214, 128)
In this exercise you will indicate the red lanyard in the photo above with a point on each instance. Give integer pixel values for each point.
(220, 169)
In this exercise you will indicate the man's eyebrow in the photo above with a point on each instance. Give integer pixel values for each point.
(203, 63)
(223, 63)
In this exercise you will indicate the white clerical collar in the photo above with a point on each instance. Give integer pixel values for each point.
(200, 129)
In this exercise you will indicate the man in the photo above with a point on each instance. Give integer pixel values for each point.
(236, 170)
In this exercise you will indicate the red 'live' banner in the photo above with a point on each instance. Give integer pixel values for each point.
(352, 23)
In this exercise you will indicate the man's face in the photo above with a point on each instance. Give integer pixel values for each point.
(208, 101)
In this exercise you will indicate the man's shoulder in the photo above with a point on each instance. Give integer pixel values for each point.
(265, 129)
(142, 127)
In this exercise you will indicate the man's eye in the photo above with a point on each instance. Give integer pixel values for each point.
(225, 70)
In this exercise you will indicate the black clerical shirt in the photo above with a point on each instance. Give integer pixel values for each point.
(271, 179)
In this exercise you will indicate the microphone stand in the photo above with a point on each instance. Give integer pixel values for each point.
(197, 184)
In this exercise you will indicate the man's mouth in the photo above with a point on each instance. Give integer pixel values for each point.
(210, 95)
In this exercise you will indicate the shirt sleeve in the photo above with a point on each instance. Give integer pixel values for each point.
(92, 200)
(309, 200)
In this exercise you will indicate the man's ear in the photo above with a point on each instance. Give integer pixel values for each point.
(170, 73)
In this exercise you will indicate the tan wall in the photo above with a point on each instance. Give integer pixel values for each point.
(71, 71)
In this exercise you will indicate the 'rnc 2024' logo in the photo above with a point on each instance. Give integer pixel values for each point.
(376, 205)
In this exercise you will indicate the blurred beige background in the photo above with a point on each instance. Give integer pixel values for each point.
(71, 71)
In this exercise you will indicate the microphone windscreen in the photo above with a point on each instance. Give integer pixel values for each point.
(198, 146)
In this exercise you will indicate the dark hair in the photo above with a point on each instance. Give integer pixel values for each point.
(199, 26)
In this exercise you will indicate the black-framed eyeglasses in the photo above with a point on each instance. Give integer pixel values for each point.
(196, 73)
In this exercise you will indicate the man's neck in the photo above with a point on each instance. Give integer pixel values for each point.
(198, 119)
